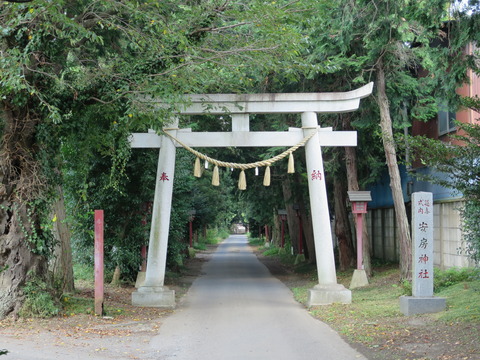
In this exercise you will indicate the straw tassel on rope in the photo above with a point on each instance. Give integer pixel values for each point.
(266, 177)
(242, 181)
(197, 171)
(291, 167)
(215, 176)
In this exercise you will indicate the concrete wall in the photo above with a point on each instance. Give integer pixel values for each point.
(382, 227)
(447, 235)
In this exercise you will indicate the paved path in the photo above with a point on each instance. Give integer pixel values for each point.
(239, 311)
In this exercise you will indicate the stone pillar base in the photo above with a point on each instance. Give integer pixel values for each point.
(412, 305)
(329, 294)
(140, 279)
(359, 279)
(300, 258)
(154, 296)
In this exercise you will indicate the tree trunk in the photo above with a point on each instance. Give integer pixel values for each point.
(306, 218)
(61, 264)
(292, 218)
(291, 198)
(276, 229)
(352, 181)
(342, 227)
(20, 183)
(395, 180)
(116, 277)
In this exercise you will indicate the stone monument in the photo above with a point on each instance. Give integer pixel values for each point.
(422, 300)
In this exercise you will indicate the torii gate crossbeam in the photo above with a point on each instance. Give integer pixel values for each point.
(153, 293)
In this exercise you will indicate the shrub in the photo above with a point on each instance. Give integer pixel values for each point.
(256, 241)
(445, 278)
(39, 299)
(271, 251)
(83, 272)
(199, 246)
(214, 236)
(407, 288)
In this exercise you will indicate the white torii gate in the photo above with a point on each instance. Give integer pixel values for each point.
(153, 293)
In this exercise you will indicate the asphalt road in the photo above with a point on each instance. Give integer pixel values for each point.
(239, 311)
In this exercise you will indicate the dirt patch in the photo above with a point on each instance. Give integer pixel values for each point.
(124, 333)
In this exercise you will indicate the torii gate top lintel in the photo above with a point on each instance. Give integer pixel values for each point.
(239, 106)
(269, 103)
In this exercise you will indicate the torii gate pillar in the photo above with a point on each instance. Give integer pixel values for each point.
(153, 293)
(327, 291)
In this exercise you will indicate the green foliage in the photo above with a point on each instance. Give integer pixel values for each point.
(445, 278)
(271, 251)
(39, 238)
(35, 224)
(407, 288)
(83, 272)
(214, 236)
(73, 305)
(199, 246)
(89, 71)
(456, 166)
(125, 209)
(39, 299)
(471, 229)
(256, 241)
(87, 74)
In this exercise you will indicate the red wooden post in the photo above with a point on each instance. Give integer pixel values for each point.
(359, 241)
(300, 235)
(359, 201)
(300, 229)
(99, 262)
(282, 214)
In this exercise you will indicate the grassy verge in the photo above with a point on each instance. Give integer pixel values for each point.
(213, 236)
(373, 323)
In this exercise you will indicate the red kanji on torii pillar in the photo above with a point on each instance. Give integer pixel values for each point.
(239, 107)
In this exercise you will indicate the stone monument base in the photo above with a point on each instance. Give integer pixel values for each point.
(154, 296)
(412, 305)
(140, 279)
(359, 279)
(329, 294)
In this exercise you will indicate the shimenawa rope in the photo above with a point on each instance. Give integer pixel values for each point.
(242, 167)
